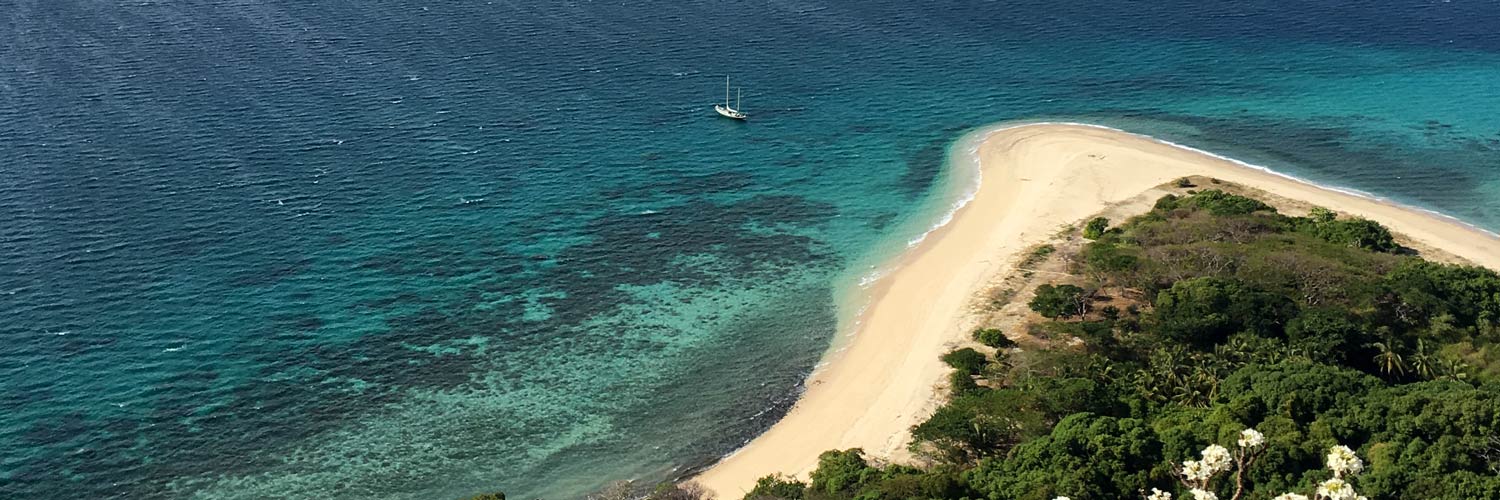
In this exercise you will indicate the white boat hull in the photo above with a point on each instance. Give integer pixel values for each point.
(729, 112)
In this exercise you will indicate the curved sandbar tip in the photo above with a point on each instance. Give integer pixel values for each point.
(1036, 178)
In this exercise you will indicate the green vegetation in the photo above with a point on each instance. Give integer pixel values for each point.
(967, 361)
(993, 337)
(1358, 233)
(1037, 256)
(778, 486)
(1095, 228)
(1228, 320)
(1060, 301)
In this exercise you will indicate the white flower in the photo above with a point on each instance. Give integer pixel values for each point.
(1062, 498)
(1158, 495)
(1342, 460)
(1216, 458)
(1251, 438)
(1290, 496)
(1200, 494)
(1196, 471)
(1336, 489)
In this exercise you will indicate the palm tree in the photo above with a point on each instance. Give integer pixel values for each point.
(1455, 369)
(1423, 363)
(1389, 360)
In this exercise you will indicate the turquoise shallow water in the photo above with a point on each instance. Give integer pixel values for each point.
(399, 249)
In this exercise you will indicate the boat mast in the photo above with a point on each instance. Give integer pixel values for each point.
(736, 98)
(726, 91)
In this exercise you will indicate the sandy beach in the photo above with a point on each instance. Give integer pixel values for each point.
(1036, 178)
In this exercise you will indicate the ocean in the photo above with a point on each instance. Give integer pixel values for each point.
(405, 249)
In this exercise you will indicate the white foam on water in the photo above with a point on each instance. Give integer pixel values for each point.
(965, 196)
(875, 274)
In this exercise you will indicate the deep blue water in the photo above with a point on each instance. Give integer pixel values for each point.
(402, 249)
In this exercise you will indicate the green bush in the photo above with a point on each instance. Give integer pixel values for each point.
(842, 473)
(1220, 203)
(1320, 215)
(993, 337)
(1060, 301)
(777, 487)
(1037, 256)
(1357, 233)
(1095, 228)
(1109, 258)
(1110, 313)
(979, 424)
(966, 360)
(960, 383)
(1167, 203)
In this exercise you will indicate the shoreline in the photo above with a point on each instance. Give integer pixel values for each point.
(1031, 178)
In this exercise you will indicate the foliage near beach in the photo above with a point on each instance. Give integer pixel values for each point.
(1258, 349)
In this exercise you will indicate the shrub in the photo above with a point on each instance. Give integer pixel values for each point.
(1167, 203)
(842, 472)
(1108, 258)
(993, 337)
(1061, 301)
(1321, 215)
(777, 487)
(960, 383)
(1095, 228)
(1356, 233)
(1038, 255)
(980, 424)
(1220, 203)
(1110, 313)
(966, 360)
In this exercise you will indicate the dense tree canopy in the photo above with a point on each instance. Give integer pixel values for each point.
(1205, 311)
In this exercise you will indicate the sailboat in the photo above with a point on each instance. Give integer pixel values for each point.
(727, 111)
